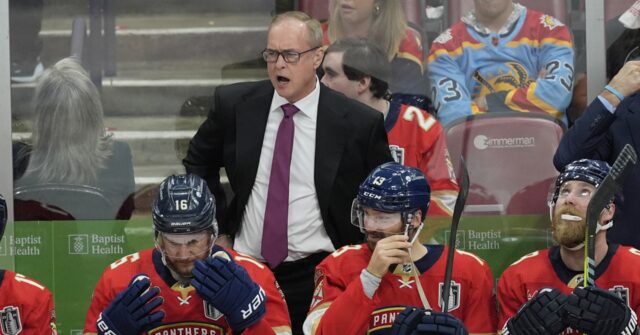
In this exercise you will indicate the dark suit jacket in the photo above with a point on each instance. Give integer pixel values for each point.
(598, 134)
(350, 142)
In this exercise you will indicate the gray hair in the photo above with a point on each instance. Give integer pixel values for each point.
(70, 144)
(314, 29)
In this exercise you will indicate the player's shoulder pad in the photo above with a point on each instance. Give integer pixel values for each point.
(245, 260)
(25, 282)
(465, 255)
(348, 249)
(528, 257)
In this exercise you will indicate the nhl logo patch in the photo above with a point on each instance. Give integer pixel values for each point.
(211, 312)
(10, 321)
(454, 295)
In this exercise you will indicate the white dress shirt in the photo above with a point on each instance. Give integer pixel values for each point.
(306, 232)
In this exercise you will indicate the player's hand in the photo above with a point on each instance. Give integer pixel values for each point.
(389, 250)
(131, 311)
(596, 311)
(228, 287)
(416, 321)
(542, 315)
(627, 80)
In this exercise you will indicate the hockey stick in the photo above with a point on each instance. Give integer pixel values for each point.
(455, 220)
(600, 199)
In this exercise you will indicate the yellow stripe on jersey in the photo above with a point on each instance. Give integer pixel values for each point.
(538, 43)
(508, 101)
(411, 57)
(540, 103)
(455, 52)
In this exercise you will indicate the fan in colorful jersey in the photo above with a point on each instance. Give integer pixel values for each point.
(502, 57)
(360, 70)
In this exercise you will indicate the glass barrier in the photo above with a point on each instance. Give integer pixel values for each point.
(91, 146)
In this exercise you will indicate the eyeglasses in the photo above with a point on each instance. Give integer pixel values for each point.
(292, 57)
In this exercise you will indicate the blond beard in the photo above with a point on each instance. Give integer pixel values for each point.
(568, 233)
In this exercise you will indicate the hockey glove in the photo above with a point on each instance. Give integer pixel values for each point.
(418, 321)
(596, 311)
(542, 315)
(131, 311)
(228, 287)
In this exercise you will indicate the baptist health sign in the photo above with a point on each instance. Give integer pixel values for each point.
(95, 244)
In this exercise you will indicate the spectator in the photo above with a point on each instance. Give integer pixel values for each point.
(502, 57)
(360, 70)
(532, 292)
(198, 288)
(70, 145)
(360, 289)
(25, 305)
(601, 132)
(384, 23)
(337, 142)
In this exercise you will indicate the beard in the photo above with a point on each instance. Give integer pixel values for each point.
(568, 233)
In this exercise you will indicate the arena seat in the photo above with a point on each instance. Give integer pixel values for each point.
(81, 201)
(509, 159)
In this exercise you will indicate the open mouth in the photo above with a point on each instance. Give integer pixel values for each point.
(282, 80)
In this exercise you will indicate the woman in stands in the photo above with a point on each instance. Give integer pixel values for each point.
(69, 143)
(384, 23)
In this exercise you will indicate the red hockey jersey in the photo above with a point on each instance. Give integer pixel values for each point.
(417, 139)
(185, 311)
(340, 306)
(26, 306)
(618, 272)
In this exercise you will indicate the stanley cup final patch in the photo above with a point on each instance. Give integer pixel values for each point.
(454, 295)
(10, 320)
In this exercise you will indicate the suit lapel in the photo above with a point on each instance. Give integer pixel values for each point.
(633, 119)
(331, 137)
(251, 121)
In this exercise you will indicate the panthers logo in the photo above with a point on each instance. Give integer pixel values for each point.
(550, 22)
(513, 77)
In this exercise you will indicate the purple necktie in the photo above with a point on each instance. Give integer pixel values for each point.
(274, 235)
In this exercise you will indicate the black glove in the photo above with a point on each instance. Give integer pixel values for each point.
(596, 311)
(130, 311)
(542, 315)
(229, 288)
(416, 321)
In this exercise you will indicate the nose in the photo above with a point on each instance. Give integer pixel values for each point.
(325, 81)
(280, 61)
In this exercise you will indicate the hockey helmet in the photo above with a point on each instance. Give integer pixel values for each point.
(184, 205)
(587, 170)
(392, 188)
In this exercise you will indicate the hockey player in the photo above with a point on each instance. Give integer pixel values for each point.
(502, 57)
(360, 70)
(360, 289)
(198, 287)
(542, 292)
(26, 306)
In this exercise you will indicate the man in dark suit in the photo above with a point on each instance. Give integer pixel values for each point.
(335, 143)
(610, 122)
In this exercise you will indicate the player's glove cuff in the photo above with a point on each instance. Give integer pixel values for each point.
(229, 288)
(543, 315)
(596, 311)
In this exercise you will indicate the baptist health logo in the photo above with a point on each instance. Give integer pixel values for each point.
(79, 244)
(482, 142)
(84, 244)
